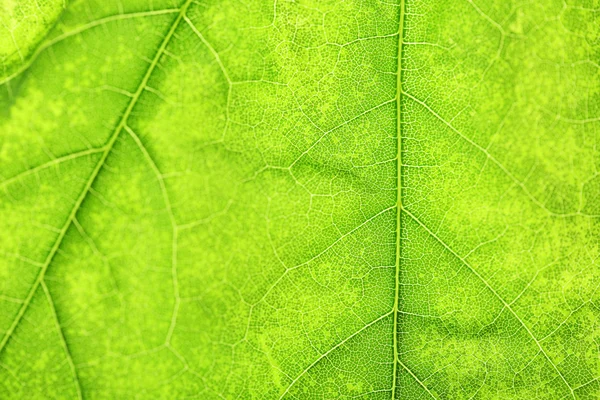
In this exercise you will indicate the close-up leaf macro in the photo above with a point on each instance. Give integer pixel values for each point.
(300, 199)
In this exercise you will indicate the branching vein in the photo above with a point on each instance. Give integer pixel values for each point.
(107, 150)
(497, 295)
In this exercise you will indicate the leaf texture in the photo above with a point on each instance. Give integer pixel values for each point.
(224, 199)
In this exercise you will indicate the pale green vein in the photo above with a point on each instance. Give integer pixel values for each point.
(415, 377)
(108, 147)
(54, 249)
(174, 228)
(322, 252)
(226, 75)
(12, 374)
(211, 49)
(46, 45)
(508, 173)
(496, 294)
(51, 163)
(587, 383)
(398, 193)
(324, 355)
(324, 134)
(63, 340)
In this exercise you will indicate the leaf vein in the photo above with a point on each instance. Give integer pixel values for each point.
(496, 294)
(107, 150)
(507, 172)
(167, 201)
(48, 44)
(399, 76)
(63, 341)
(338, 345)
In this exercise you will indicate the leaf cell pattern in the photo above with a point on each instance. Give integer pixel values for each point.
(224, 199)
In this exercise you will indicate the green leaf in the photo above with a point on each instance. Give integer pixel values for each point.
(310, 199)
(23, 24)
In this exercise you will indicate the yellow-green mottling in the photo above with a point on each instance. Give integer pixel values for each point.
(310, 199)
(23, 24)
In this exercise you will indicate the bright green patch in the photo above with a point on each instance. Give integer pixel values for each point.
(23, 24)
(308, 199)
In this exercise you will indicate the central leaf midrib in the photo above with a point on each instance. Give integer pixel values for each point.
(396, 310)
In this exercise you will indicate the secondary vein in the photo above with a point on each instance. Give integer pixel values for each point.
(63, 340)
(399, 191)
(107, 150)
(48, 44)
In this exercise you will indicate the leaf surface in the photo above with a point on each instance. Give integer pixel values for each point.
(300, 199)
(23, 24)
